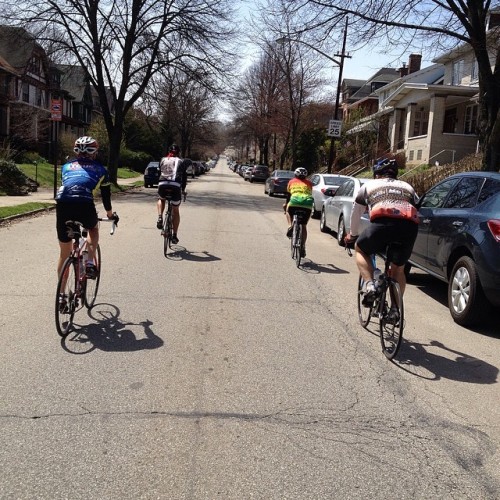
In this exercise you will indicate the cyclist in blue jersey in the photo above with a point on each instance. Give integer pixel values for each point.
(81, 178)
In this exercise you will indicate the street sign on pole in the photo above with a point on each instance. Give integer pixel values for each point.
(334, 128)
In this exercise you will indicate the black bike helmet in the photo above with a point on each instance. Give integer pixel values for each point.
(174, 149)
(385, 167)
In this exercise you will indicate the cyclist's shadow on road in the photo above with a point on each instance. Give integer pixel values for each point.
(181, 253)
(108, 333)
(453, 365)
(311, 267)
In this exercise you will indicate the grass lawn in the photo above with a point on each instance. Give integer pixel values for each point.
(44, 173)
(22, 209)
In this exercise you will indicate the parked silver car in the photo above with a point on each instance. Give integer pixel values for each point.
(336, 211)
(323, 187)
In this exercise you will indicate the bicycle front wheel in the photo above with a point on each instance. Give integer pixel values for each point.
(66, 297)
(92, 285)
(364, 313)
(392, 321)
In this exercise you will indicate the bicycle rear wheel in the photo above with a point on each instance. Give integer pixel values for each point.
(293, 239)
(298, 246)
(391, 325)
(167, 232)
(66, 287)
(91, 285)
(364, 313)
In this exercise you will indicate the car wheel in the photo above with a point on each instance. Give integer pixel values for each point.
(466, 298)
(322, 222)
(315, 213)
(341, 232)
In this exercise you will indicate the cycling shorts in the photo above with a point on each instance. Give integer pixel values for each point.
(303, 214)
(399, 233)
(85, 213)
(172, 191)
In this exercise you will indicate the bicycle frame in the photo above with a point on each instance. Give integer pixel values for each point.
(167, 231)
(297, 241)
(73, 284)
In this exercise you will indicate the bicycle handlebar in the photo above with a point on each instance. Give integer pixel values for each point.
(114, 220)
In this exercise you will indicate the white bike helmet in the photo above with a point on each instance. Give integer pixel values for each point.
(86, 145)
(301, 173)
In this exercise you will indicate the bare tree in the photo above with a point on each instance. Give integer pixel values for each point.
(436, 24)
(123, 44)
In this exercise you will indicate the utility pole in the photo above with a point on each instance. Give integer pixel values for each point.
(341, 56)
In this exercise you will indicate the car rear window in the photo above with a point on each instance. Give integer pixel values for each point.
(285, 173)
(464, 194)
(491, 187)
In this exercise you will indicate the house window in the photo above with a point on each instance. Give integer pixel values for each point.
(458, 72)
(419, 154)
(38, 97)
(474, 73)
(411, 156)
(25, 93)
(450, 120)
(420, 123)
(470, 124)
(35, 66)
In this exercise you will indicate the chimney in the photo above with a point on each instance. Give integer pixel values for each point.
(403, 71)
(414, 64)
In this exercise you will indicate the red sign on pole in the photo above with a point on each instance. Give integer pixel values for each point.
(56, 110)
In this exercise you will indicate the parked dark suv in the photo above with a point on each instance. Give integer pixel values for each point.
(459, 241)
(152, 174)
(258, 173)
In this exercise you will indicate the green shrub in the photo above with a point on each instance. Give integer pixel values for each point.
(134, 160)
(30, 157)
(12, 181)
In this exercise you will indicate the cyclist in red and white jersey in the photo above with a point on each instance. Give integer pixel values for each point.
(393, 215)
(172, 184)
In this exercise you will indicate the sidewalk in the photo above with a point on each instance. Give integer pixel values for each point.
(45, 195)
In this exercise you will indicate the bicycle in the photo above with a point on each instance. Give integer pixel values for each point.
(387, 306)
(297, 244)
(74, 287)
(168, 226)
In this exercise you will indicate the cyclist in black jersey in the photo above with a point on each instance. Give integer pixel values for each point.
(393, 220)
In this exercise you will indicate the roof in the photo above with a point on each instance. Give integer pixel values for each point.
(73, 80)
(16, 46)
(382, 76)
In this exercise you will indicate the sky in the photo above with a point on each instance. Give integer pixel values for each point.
(361, 66)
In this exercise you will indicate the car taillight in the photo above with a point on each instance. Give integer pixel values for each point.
(494, 225)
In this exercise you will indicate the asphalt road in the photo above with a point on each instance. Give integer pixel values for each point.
(224, 371)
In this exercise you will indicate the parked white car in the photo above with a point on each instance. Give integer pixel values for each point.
(336, 211)
(323, 186)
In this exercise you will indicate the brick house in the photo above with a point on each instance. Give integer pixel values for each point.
(29, 83)
(429, 114)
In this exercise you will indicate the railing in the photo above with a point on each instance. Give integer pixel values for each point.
(427, 162)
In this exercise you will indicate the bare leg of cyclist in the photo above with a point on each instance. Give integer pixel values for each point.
(365, 265)
(398, 273)
(92, 242)
(176, 218)
(64, 253)
(160, 204)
